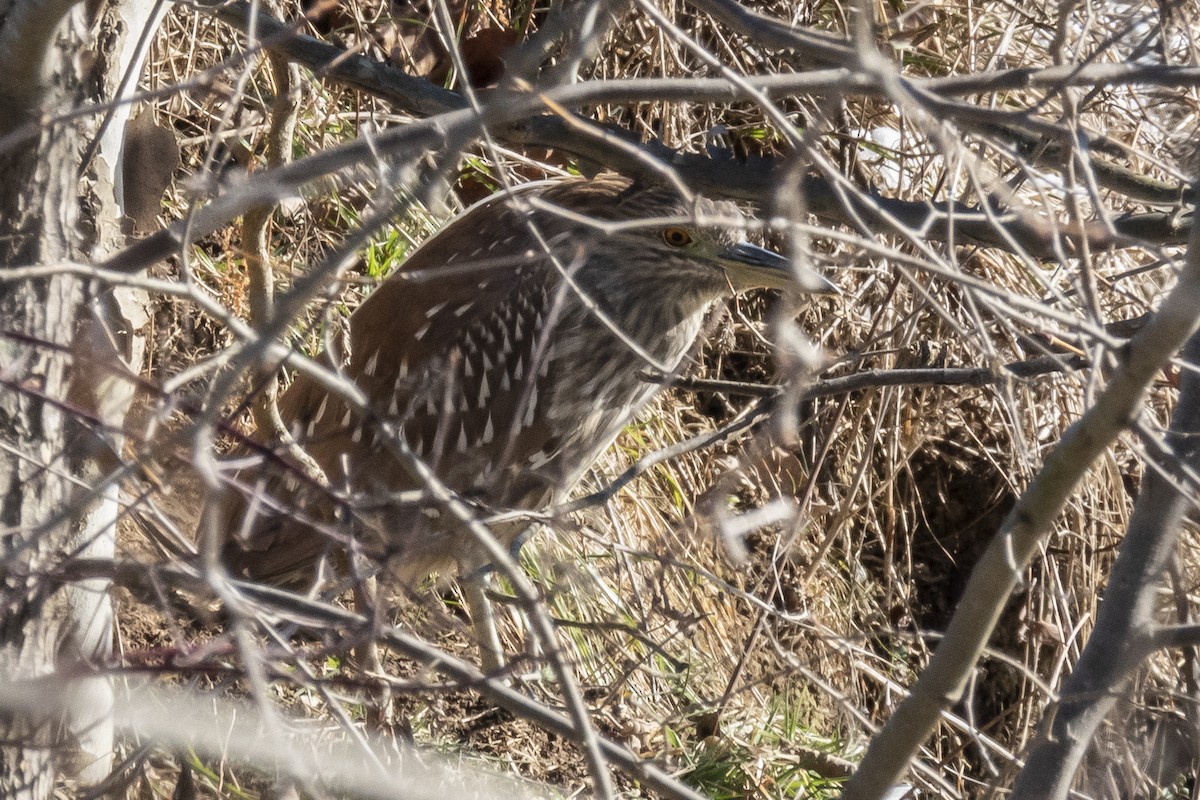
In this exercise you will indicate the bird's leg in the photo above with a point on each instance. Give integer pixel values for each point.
(380, 714)
(534, 642)
(475, 584)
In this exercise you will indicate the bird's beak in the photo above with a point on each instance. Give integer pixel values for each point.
(749, 266)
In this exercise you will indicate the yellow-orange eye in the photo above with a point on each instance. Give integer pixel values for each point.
(676, 237)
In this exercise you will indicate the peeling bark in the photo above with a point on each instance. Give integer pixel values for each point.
(63, 380)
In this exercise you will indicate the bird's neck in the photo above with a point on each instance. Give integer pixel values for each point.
(659, 312)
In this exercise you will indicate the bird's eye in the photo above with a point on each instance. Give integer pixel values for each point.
(676, 237)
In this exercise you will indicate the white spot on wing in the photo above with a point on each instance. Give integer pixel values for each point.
(540, 459)
(485, 390)
(346, 419)
(519, 369)
(357, 435)
(434, 309)
(424, 329)
(372, 363)
(488, 432)
(320, 411)
(462, 439)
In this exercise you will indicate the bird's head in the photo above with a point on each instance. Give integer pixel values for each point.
(650, 235)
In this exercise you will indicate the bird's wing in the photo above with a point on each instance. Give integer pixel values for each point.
(452, 350)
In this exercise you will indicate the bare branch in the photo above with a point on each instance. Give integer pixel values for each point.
(943, 682)
(755, 179)
(1125, 633)
(307, 612)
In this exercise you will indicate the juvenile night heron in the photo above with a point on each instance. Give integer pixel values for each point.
(508, 350)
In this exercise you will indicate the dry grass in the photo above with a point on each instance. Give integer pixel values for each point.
(737, 670)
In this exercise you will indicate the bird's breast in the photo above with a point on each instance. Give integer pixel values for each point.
(598, 383)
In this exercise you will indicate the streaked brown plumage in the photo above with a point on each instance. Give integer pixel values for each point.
(501, 373)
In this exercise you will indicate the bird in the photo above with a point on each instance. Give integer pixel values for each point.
(508, 351)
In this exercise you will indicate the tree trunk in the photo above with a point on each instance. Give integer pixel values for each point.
(64, 390)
